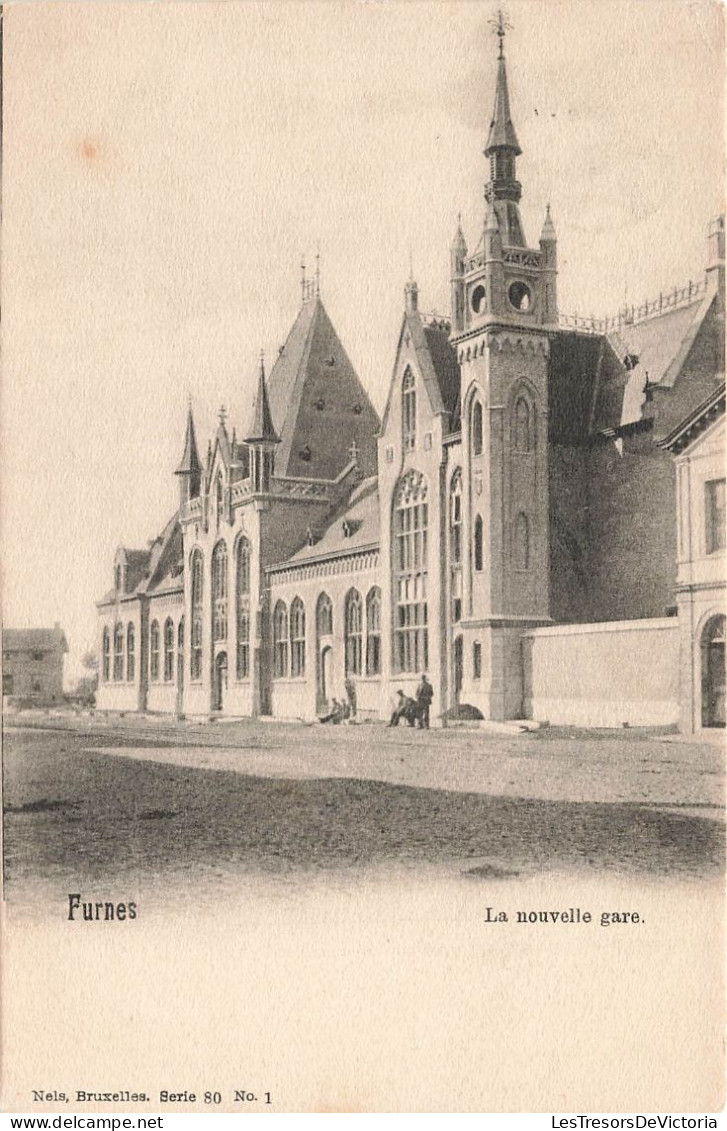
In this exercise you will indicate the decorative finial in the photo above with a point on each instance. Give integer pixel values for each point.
(302, 276)
(353, 451)
(318, 269)
(500, 24)
(223, 414)
(411, 265)
(189, 401)
(262, 361)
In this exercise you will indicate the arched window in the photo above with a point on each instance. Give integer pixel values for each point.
(180, 647)
(478, 544)
(219, 592)
(106, 656)
(373, 632)
(324, 616)
(297, 638)
(477, 429)
(117, 579)
(196, 569)
(243, 567)
(455, 519)
(130, 653)
(280, 640)
(408, 410)
(243, 608)
(477, 660)
(154, 650)
(353, 623)
(168, 650)
(521, 542)
(118, 652)
(521, 438)
(219, 498)
(411, 520)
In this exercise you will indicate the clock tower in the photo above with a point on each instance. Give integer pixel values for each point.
(504, 313)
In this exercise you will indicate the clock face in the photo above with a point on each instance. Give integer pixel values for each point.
(478, 299)
(520, 296)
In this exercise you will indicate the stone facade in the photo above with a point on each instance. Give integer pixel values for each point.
(517, 480)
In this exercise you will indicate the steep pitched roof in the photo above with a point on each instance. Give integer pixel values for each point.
(353, 526)
(165, 560)
(28, 639)
(318, 405)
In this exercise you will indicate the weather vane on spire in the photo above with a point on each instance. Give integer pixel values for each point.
(500, 25)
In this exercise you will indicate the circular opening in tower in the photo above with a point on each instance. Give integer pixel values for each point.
(478, 299)
(520, 296)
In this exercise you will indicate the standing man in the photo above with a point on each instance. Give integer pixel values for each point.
(425, 694)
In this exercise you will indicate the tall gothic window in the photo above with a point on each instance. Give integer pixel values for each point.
(106, 656)
(130, 653)
(408, 410)
(478, 431)
(410, 564)
(297, 638)
(280, 640)
(154, 650)
(373, 632)
(243, 608)
(195, 664)
(324, 616)
(353, 623)
(522, 542)
(118, 652)
(168, 650)
(219, 592)
(522, 439)
(478, 544)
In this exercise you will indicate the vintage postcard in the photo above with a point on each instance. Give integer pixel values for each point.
(363, 511)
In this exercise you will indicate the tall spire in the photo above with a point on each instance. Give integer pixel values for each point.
(262, 421)
(502, 131)
(502, 149)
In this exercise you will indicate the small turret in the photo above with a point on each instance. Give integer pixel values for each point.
(549, 261)
(457, 256)
(411, 296)
(715, 262)
(190, 468)
(262, 438)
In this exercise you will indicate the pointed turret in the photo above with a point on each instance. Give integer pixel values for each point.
(549, 270)
(262, 420)
(190, 468)
(457, 256)
(502, 148)
(411, 296)
(262, 438)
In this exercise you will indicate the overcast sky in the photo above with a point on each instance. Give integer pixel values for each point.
(165, 165)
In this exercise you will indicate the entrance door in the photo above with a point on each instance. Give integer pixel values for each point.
(180, 668)
(458, 669)
(325, 665)
(220, 681)
(713, 673)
